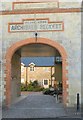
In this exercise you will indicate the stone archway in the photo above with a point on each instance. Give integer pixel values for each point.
(17, 45)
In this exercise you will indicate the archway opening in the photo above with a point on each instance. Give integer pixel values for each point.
(42, 48)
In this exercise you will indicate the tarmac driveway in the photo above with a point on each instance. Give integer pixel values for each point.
(36, 106)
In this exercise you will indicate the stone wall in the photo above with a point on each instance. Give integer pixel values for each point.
(40, 74)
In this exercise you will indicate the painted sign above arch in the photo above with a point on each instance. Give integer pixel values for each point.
(35, 5)
(32, 25)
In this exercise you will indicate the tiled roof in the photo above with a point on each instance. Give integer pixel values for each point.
(38, 61)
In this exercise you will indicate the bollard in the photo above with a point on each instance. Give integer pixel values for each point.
(78, 103)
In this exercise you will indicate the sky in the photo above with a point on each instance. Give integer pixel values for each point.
(39, 61)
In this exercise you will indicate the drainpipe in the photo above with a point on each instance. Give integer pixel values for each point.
(26, 78)
(51, 76)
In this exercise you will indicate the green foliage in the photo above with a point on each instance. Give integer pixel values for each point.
(33, 86)
(23, 87)
(37, 89)
(30, 88)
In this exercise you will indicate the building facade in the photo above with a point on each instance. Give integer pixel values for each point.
(54, 28)
(45, 75)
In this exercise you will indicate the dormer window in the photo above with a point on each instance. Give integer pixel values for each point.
(32, 66)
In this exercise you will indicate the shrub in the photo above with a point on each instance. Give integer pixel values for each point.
(30, 88)
(37, 89)
(23, 87)
(33, 86)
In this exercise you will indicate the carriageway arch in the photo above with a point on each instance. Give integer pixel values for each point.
(17, 45)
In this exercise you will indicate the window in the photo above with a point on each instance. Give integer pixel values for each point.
(45, 82)
(32, 68)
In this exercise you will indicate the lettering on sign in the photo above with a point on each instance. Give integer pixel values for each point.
(36, 25)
